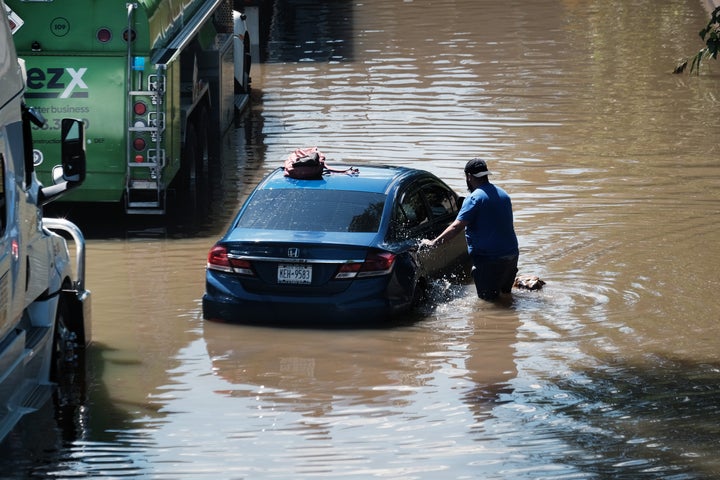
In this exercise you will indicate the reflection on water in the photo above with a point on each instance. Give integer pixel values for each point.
(611, 371)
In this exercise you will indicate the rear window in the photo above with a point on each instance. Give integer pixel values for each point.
(314, 210)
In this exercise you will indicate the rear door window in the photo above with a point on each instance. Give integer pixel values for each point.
(440, 200)
(413, 211)
(410, 216)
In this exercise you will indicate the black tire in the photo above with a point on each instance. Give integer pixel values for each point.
(67, 366)
(191, 185)
(188, 168)
(201, 126)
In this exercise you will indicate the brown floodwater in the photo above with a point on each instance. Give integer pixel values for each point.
(611, 371)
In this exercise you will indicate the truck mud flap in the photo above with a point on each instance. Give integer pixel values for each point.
(80, 307)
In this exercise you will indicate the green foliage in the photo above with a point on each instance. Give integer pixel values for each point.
(711, 36)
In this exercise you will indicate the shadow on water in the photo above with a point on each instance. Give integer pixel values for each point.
(63, 421)
(652, 418)
(49, 441)
(312, 31)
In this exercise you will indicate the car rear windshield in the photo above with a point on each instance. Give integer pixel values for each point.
(314, 210)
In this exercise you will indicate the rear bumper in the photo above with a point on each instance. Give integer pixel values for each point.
(365, 302)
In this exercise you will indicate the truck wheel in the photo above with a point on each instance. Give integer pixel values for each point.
(188, 169)
(67, 368)
(201, 126)
(190, 181)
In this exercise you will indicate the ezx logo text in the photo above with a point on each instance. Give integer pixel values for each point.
(56, 83)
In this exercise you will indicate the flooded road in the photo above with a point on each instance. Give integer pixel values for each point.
(611, 371)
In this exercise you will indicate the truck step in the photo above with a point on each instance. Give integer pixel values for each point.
(143, 185)
(144, 211)
(143, 165)
(37, 397)
(34, 335)
(143, 204)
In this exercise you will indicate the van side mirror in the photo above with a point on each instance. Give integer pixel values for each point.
(73, 150)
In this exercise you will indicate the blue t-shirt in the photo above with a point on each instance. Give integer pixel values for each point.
(490, 231)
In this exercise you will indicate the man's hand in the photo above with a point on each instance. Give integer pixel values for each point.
(427, 243)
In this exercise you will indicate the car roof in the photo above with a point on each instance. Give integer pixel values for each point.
(370, 178)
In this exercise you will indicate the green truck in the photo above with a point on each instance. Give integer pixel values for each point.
(155, 82)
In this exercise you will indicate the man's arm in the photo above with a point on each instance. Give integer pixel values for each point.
(450, 232)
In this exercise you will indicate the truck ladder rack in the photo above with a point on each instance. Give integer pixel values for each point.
(145, 192)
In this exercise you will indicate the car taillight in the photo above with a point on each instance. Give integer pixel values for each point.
(218, 259)
(348, 270)
(240, 266)
(375, 264)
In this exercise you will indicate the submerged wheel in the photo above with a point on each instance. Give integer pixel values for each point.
(68, 356)
(64, 341)
(420, 294)
(188, 168)
(202, 154)
(191, 182)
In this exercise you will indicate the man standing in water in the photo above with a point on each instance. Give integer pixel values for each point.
(487, 218)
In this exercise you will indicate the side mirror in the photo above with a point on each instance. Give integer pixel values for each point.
(73, 150)
(71, 172)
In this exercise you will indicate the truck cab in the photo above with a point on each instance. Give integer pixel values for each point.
(44, 305)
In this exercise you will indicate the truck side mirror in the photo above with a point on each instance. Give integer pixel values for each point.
(71, 172)
(73, 150)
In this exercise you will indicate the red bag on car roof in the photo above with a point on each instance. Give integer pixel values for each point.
(309, 164)
(305, 163)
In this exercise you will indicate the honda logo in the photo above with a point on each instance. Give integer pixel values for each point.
(293, 252)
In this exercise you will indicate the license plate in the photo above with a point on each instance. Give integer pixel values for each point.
(294, 273)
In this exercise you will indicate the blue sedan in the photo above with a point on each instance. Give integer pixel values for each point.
(341, 248)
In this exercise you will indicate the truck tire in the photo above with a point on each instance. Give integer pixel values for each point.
(188, 168)
(67, 354)
(201, 125)
(190, 184)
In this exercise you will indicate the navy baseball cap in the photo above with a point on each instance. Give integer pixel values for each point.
(477, 168)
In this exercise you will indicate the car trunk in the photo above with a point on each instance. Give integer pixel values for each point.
(296, 268)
